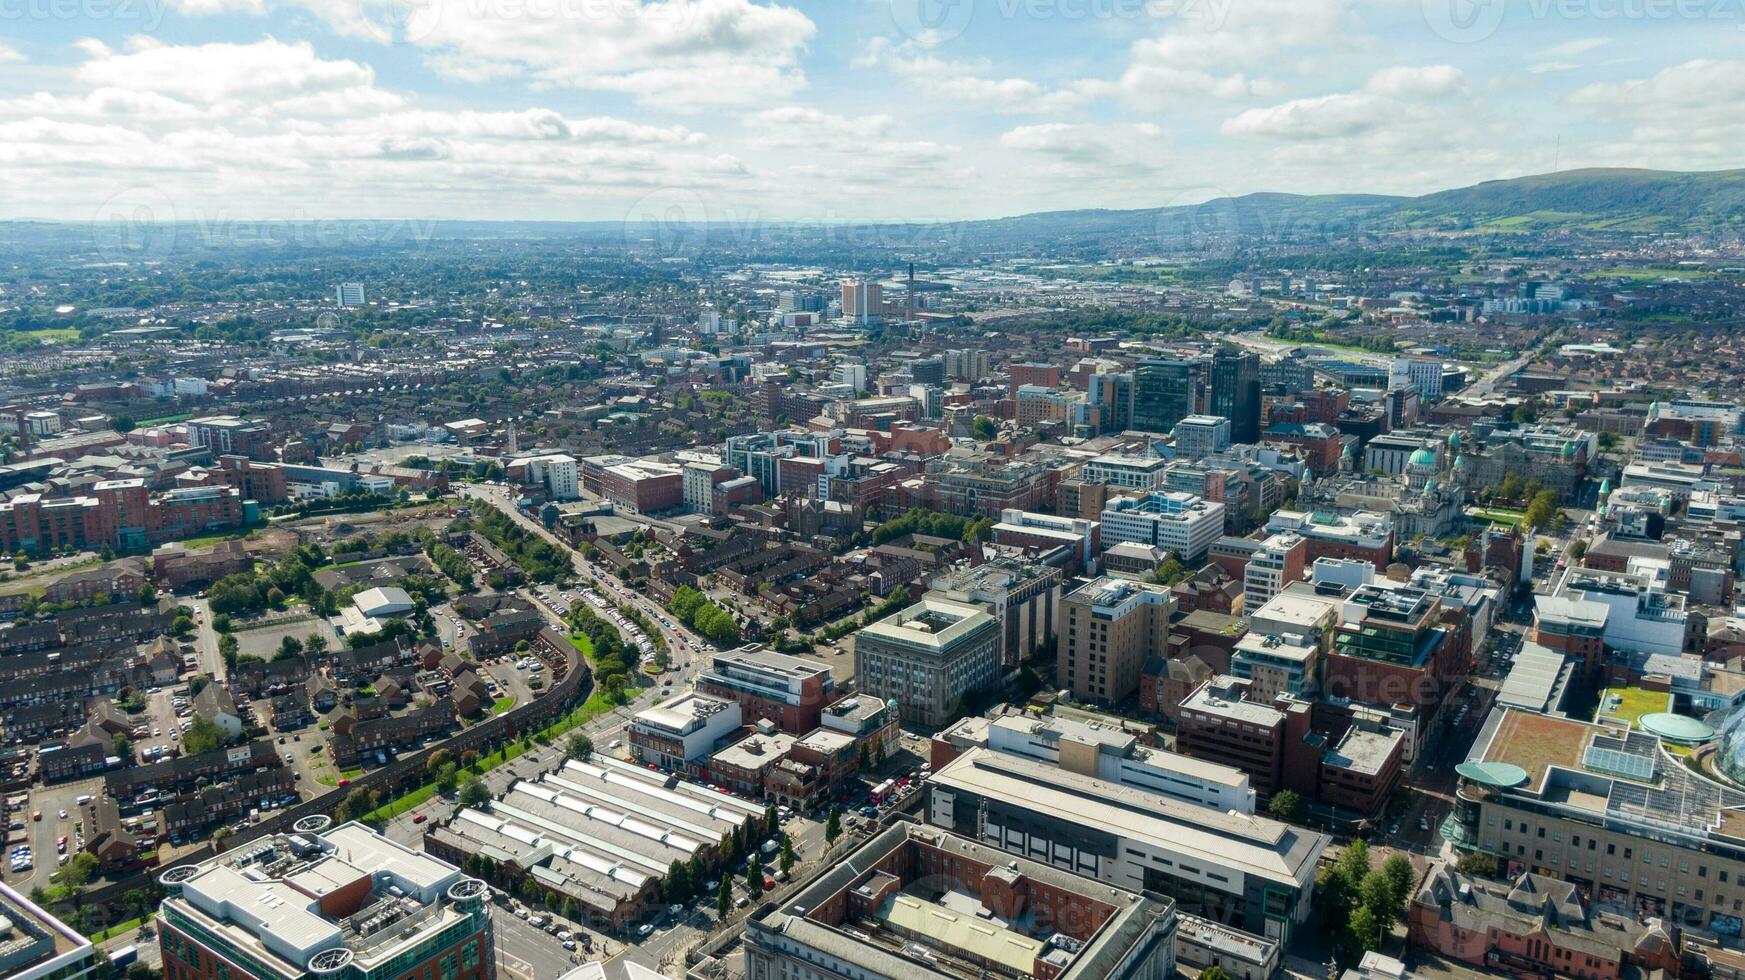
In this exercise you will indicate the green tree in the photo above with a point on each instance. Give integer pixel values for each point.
(787, 854)
(833, 826)
(1286, 805)
(182, 625)
(80, 870)
(1362, 934)
(1214, 972)
(147, 594)
(772, 823)
(1541, 510)
(289, 647)
(315, 644)
(122, 746)
(984, 428)
(678, 882)
(1401, 877)
(474, 792)
(754, 875)
(1353, 864)
(580, 746)
(203, 735)
(447, 777)
(1376, 893)
(724, 897)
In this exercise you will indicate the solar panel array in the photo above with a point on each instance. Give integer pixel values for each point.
(1613, 762)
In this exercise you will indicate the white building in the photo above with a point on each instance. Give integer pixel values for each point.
(682, 729)
(1199, 436)
(1254, 873)
(349, 294)
(1182, 522)
(1267, 573)
(1135, 472)
(1422, 372)
(1116, 756)
(560, 475)
(851, 374)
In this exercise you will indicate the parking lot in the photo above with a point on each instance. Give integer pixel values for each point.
(264, 641)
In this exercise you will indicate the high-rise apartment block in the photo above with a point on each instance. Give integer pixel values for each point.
(1111, 627)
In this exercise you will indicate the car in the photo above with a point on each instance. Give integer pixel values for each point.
(420, 818)
(520, 913)
(1423, 823)
(644, 930)
(61, 841)
(564, 935)
(63, 814)
(345, 782)
(37, 816)
(569, 945)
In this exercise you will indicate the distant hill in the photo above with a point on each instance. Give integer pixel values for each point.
(1592, 200)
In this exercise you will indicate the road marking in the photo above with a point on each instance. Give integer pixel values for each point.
(519, 967)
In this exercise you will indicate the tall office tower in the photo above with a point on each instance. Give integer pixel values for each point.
(863, 301)
(1164, 393)
(1236, 392)
(349, 294)
(1112, 397)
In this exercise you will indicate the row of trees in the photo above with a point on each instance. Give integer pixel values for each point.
(696, 611)
(611, 661)
(936, 525)
(294, 575)
(541, 560)
(1359, 903)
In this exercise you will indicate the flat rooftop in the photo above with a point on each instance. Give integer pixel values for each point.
(1251, 845)
(943, 925)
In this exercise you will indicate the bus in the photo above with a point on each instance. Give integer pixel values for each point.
(882, 791)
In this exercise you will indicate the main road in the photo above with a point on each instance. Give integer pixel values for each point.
(682, 645)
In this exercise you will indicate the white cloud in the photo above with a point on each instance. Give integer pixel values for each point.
(674, 54)
(207, 8)
(1688, 116)
(1391, 97)
(1219, 50)
(8, 53)
(962, 83)
(1082, 150)
(271, 126)
(1426, 82)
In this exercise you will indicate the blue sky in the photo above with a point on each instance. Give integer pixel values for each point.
(750, 110)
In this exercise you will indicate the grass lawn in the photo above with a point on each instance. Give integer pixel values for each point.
(49, 335)
(1633, 703)
(115, 930)
(503, 704)
(389, 811)
(208, 540)
(583, 644)
(1510, 518)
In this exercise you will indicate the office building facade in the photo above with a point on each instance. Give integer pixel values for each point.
(927, 657)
